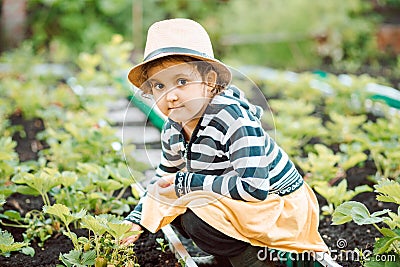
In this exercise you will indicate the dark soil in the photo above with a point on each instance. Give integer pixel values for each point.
(148, 253)
(27, 144)
(44, 257)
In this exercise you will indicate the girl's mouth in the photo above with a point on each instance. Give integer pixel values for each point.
(176, 107)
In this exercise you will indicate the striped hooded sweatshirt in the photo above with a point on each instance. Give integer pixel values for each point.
(229, 153)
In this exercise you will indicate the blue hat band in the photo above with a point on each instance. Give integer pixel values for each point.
(177, 50)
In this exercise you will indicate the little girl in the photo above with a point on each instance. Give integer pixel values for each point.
(215, 152)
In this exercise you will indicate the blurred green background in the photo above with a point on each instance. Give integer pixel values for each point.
(355, 36)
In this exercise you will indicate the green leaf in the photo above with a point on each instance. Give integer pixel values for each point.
(117, 230)
(64, 260)
(389, 191)
(342, 187)
(355, 211)
(41, 181)
(110, 185)
(342, 213)
(13, 215)
(379, 213)
(2, 200)
(96, 195)
(362, 189)
(26, 190)
(88, 258)
(28, 251)
(89, 168)
(362, 216)
(60, 211)
(73, 258)
(57, 209)
(6, 238)
(121, 174)
(353, 160)
(388, 233)
(8, 245)
(382, 244)
(72, 236)
(96, 225)
(68, 178)
(63, 213)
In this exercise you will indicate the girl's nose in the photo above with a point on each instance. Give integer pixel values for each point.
(171, 95)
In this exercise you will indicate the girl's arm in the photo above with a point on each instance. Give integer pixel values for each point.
(171, 162)
(256, 160)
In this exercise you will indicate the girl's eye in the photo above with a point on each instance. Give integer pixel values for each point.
(159, 86)
(182, 82)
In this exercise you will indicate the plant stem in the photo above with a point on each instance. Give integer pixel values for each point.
(73, 240)
(121, 193)
(46, 199)
(15, 225)
(97, 244)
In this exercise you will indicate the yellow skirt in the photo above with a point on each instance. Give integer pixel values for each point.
(288, 223)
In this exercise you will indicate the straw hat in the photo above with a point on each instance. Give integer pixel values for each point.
(178, 37)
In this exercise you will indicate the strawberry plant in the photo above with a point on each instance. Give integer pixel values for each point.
(7, 244)
(80, 140)
(36, 226)
(8, 158)
(346, 128)
(324, 165)
(39, 183)
(289, 85)
(97, 189)
(103, 247)
(389, 243)
(302, 129)
(383, 138)
(66, 217)
(162, 245)
(336, 195)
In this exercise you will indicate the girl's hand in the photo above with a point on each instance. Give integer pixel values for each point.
(166, 181)
(131, 239)
(167, 186)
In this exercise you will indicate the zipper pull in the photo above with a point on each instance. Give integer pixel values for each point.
(185, 152)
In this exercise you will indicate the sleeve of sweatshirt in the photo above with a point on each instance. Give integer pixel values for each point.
(251, 152)
(171, 162)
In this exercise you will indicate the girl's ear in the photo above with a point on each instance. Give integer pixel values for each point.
(211, 79)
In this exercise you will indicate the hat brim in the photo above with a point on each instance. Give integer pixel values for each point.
(135, 75)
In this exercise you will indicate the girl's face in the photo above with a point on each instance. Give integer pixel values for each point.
(179, 91)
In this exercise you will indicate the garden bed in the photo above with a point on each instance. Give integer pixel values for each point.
(345, 240)
(147, 248)
(348, 237)
(341, 238)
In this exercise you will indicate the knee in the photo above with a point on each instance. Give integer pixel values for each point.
(191, 223)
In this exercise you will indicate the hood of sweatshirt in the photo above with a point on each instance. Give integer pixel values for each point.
(230, 96)
(234, 96)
